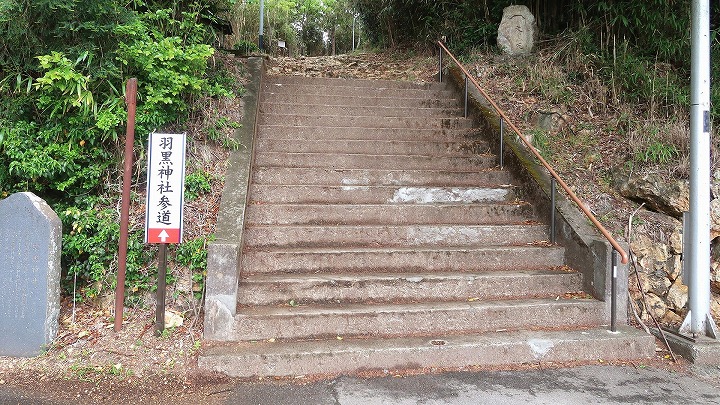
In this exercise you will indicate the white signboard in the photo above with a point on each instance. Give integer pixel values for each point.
(165, 188)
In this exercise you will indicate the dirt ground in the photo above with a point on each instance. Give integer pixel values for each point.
(90, 363)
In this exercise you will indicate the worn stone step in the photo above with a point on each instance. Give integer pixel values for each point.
(438, 351)
(381, 161)
(365, 121)
(359, 320)
(310, 89)
(393, 214)
(340, 236)
(357, 110)
(284, 194)
(360, 100)
(283, 131)
(352, 82)
(414, 287)
(398, 259)
(372, 146)
(382, 177)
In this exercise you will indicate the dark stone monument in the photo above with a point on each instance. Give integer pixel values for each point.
(30, 243)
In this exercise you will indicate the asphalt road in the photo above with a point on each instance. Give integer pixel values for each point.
(578, 385)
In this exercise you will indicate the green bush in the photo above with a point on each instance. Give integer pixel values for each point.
(193, 255)
(196, 184)
(246, 47)
(62, 108)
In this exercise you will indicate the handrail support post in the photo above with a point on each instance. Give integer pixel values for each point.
(553, 207)
(502, 143)
(440, 52)
(466, 96)
(613, 292)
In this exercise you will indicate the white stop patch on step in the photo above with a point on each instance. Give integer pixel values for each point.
(540, 347)
(425, 195)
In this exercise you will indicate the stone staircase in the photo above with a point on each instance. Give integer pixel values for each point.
(381, 234)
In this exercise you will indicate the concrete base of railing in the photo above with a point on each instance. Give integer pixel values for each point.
(224, 253)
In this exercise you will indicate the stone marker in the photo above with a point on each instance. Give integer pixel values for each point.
(516, 33)
(30, 243)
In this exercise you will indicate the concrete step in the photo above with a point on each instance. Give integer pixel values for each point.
(380, 161)
(310, 89)
(365, 121)
(416, 319)
(371, 146)
(360, 100)
(393, 214)
(437, 351)
(286, 194)
(399, 259)
(414, 287)
(283, 131)
(340, 236)
(409, 179)
(357, 110)
(351, 82)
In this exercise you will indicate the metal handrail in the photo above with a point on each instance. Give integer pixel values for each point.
(553, 173)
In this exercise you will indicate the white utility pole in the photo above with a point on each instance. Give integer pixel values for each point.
(697, 255)
(262, 24)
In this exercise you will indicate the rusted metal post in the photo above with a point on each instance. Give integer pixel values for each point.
(131, 102)
(160, 303)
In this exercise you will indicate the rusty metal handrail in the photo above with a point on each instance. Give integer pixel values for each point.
(553, 173)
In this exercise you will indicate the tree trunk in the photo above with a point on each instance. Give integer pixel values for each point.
(332, 40)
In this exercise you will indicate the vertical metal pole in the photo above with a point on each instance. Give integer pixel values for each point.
(699, 229)
(613, 293)
(502, 143)
(160, 302)
(466, 96)
(131, 101)
(440, 64)
(553, 238)
(262, 24)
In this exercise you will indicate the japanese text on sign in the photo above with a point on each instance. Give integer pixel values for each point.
(165, 188)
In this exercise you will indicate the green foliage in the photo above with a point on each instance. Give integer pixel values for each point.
(193, 255)
(196, 184)
(62, 87)
(170, 70)
(90, 240)
(658, 153)
(465, 25)
(63, 64)
(246, 47)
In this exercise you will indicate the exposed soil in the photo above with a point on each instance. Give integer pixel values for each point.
(90, 363)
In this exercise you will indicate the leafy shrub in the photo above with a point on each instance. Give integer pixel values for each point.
(196, 184)
(90, 240)
(193, 255)
(61, 112)
(246, 47)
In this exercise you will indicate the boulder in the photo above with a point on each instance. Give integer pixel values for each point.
(677, 296)
(517, 30)
(655, 306)
(651, 255)
(715, 218)
(659, 194)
